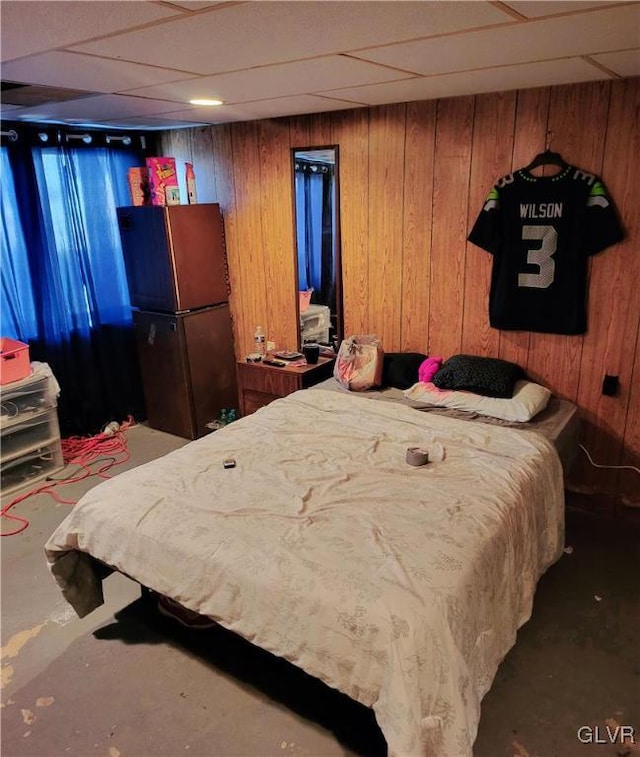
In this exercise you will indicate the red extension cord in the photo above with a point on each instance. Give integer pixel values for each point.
(110, 449)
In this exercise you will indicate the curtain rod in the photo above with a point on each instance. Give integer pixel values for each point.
(55, 135)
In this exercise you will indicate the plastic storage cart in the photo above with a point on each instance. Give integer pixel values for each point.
(30, 445)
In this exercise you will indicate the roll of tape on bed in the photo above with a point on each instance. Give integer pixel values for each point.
(417, 456)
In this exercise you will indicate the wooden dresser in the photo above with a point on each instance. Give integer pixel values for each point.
(259, 384)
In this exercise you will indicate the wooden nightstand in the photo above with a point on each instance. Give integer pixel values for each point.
(259, 384)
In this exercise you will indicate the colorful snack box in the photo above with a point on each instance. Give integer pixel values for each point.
(163, 181)
(139, 186)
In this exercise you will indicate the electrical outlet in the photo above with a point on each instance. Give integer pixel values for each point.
(271, 346)
(610, 385)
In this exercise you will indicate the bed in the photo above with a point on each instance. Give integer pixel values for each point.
(402, 587)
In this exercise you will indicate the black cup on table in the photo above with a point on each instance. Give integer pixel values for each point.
(311, 353)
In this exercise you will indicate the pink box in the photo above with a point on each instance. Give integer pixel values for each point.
(305, 299)
(14, 360)
(163, 181)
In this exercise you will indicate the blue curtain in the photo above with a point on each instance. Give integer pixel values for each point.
(18, 305)
(315, 234)
(64, 288)
(309, 195)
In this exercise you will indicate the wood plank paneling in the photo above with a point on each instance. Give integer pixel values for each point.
(192, 146)
(201, 151)
(247, 254)
(494, 114)
(320, 129)
(299, 131)
(177, 144)
(222, 178)
(628, 484)
(351, 133)
(450, 207)
(386, 169)
(613, 297)
(222, 160)
(277, 233)
(417, 222)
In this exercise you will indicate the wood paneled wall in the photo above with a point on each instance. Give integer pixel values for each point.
(413, 178)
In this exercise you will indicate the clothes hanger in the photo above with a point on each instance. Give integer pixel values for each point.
(547, 158)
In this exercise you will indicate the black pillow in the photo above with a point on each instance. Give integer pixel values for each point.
(489, 376)
(400, 369)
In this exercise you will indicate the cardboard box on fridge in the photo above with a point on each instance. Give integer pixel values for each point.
(138, 178)
(163, 181)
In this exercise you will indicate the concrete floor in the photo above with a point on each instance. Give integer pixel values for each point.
(127, 682)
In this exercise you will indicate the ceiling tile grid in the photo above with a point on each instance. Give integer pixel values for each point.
(540, 74)
(59, 68)
(325, 73)
(141, 62)
(39, 25)
(547, 39)
(262, 33)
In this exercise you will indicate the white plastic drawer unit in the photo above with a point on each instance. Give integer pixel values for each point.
(37, 431)
(32, 466)
(30, 446)
(24, 400)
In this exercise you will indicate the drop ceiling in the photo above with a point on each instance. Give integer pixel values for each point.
(134, 64)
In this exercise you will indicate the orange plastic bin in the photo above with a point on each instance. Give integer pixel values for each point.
(14, 360)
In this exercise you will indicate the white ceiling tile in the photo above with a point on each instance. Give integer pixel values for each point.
(328, 72)
(147, 123)
(254, 34)
(596, 32)
(193, 5)
(500, 79)
(215, 115)
(32, 27)
(294, 105)
(280, 106)
(61, 69)
(100, 107)
(536, 8)
(624, 63)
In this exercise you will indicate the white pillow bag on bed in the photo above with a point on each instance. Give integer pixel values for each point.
(527, 401)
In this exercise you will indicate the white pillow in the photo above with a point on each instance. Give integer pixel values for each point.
(527, 401)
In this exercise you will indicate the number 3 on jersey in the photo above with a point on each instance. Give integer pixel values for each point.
(541, 256)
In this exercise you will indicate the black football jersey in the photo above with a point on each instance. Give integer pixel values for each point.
(541, 231)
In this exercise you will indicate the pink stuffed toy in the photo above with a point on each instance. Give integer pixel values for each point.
(429, 368)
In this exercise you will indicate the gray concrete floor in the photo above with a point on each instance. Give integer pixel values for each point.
(127, 682)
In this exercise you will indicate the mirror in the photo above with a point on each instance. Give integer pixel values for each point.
(317, 233)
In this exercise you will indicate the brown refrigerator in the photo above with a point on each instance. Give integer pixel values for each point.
(177, 275)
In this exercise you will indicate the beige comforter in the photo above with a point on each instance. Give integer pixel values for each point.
(402, 587)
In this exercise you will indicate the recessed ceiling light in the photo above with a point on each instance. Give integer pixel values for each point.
(205, 101)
